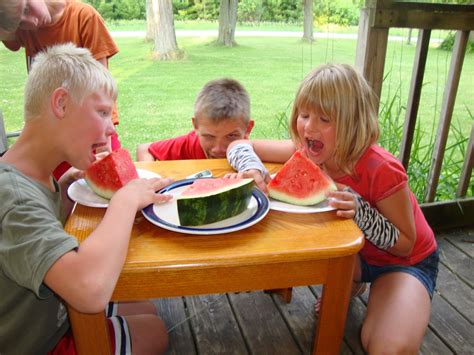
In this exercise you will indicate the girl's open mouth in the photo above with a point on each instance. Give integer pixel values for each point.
(315, 146)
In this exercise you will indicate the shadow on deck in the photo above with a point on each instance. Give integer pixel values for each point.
(259, 323)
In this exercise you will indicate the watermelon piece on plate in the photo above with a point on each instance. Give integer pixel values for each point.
(300, 182)
(213, 199)
(109, 174)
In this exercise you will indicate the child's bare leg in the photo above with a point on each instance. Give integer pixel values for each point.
(398, 313)
(147, 331)
(134, 308)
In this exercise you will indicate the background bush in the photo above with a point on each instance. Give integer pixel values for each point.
(342, 12)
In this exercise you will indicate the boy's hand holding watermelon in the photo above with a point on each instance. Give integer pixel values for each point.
(261, 179)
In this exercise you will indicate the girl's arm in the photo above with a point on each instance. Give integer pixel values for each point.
(391, 222)
(246, 157)
(398, 210)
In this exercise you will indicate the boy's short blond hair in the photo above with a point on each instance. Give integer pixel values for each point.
(69, 67)
(344, 96)
(10, 15)
(223, 99)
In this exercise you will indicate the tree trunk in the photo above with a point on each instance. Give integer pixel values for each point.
(166, 47)
(308, 20)
(149, 21)
(409, 35)
(227, 22)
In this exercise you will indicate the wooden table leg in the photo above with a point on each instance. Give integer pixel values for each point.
(334, 305)
(284, 293)
(90, 332)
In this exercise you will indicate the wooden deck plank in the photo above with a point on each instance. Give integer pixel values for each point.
(456, 292)
(262, 324)
(214, 326)
(173, 312)
(463, 240)
(300, 316)
(455, 331)
(457, 261)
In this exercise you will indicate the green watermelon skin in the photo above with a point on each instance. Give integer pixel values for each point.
(210, 207)
(109, 174)
(300, 182)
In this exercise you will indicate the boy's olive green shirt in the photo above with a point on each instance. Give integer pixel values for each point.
(32, 238)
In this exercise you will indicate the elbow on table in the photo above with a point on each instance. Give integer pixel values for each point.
(91, 298)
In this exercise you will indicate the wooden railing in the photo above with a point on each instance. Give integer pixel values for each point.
(377, 17)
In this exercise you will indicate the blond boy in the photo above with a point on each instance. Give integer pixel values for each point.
(69, 97)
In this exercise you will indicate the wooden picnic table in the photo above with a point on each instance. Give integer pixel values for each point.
(281, 251)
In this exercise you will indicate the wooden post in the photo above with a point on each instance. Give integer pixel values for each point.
(371, 49)
(466, 171)
(450, 92)
(414, 95)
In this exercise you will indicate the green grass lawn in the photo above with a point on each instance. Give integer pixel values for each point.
(156, 98)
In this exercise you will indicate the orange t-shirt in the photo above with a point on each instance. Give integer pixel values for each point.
(80, 24)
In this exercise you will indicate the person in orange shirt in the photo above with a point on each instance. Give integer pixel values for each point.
(38, 24)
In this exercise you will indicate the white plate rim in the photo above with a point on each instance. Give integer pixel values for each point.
(263, 207)
(290, 208)
(81, 193)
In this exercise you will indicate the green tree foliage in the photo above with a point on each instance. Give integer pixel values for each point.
(119, 9)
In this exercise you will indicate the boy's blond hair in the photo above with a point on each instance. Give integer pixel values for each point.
(223, 99)
(344, 97)
(10, 15)
(66, 66)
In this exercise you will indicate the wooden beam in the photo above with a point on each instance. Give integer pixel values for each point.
(371, 51)
(422, 15)
(466, 171)
(449, 214)
(414, 95)
(449, 99)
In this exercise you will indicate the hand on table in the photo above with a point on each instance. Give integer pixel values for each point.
(143, 191)
(344, 201)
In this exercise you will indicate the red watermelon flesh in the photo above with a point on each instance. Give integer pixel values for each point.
(300, 182)
(206, 187)
(109, 174)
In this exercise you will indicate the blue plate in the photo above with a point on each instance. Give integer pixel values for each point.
(165, 215)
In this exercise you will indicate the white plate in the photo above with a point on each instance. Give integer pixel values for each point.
(80, 192)
(165, 215)
(288, 207)
(276, 205)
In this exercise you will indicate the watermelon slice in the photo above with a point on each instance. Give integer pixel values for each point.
(300, 182)
(109, 174)
(211, 200)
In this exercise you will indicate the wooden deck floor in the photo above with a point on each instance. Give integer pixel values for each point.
(260, 323)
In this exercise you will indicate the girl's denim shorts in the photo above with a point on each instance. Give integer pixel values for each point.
(426, 271)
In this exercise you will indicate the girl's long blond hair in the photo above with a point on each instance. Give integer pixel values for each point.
(345, 97)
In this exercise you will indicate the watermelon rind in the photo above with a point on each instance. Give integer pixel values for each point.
(100, 191)
(216, 205)
(314, 199)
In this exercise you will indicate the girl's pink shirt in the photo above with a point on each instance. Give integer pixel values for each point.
(378, 174)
